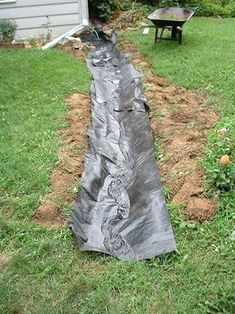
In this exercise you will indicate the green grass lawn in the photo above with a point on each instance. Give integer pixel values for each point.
(46, 272)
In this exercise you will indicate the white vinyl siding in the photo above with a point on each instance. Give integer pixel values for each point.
(35, 17)
(7, 1)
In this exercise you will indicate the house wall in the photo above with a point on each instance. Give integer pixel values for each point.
(37, 17)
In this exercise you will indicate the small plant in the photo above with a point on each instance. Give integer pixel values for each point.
(33, 42)
(7, 31)
(47, 36)
(219, 161)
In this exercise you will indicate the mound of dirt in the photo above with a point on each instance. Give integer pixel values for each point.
(69, 170)
(201, 209)
(49, 215)
(180, 120)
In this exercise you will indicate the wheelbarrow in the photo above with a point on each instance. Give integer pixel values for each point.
(171, 18)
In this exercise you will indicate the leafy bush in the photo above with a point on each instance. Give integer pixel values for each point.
(7, 31)
(231, 8)
(101, 9)
(220, 157)
(224, 8)
(104, 9)
(211, 9)
(201, 8)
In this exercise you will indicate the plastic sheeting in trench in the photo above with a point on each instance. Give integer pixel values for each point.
(120, 209)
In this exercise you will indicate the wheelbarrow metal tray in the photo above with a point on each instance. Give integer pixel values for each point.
(170, 16)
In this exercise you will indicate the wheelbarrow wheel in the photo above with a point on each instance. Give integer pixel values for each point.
(174, 32)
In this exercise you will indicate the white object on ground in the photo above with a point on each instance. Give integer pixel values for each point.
(146, 31)
(73, 39)
(76, 30)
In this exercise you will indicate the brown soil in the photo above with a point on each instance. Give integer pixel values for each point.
(69, 170)
(12, 46)
(180, 120)
(78, 54)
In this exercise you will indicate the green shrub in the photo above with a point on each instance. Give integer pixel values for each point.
(7, 31)
(106, 9)
(102, 9)
(231, 8)
(211, 10)
(224, 8)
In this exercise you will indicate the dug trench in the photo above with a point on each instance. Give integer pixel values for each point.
(180, 120)
(66, 175)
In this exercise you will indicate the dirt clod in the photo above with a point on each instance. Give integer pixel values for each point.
(77, 53)
(48, 215)
(200, 209)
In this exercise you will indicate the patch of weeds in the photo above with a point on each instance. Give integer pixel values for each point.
(226, 208)
(167, 159)
(159, 114)
(158, 152)
(167, 192)
(78, 147)
(77, 188)
(191, 125)
(220, 156)
(33, 42)
(65, 208)
(147, 88)
(177, 213)
(174, 107)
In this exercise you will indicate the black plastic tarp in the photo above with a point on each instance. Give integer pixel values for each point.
(120, 208)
